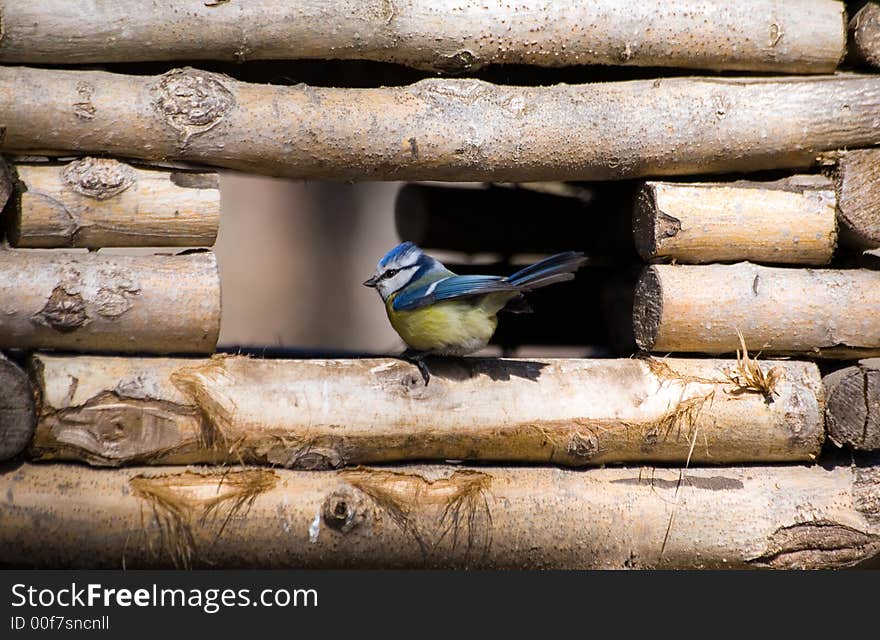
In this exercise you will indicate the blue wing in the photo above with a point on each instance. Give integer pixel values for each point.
(449, 289)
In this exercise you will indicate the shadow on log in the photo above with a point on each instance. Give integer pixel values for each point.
(328, 413)
(777, 517)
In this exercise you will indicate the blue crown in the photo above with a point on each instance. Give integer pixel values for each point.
(399, 254)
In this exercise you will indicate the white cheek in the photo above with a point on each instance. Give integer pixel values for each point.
(389, 286)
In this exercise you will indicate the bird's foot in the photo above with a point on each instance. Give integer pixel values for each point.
(418, 358)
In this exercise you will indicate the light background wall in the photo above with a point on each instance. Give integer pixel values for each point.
(292, 258)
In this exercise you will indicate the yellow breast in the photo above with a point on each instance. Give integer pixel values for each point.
(455, 327)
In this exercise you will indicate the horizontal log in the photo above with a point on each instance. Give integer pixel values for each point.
(786, 221)
(801, 36)
(98, 302)
(822, 313)
(18, 416)
(864, 35)
(857, 181)
(852, 412)
(511, 220)
(439, 129)
(98, 202)
(328, 413)
(779, 517)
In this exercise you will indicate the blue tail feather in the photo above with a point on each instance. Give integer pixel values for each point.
(556, 268)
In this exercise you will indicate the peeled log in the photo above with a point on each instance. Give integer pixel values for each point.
(821, 313)
(328, 413)
(18, 416)
(439, 129)
(857, 180)
(852, 414)
(98, 202)
(864, 35)
(801, 36)
(98, 302)
(779, 517)
(787, 221)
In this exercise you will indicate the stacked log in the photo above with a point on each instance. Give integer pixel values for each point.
(102, 202)
(779, 517)
(442, 129)
(724, 216)
(109, 302)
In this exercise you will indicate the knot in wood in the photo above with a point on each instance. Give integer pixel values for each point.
(64, 311)
(458, 62)
(192, 101)
(98, 178)
(343, 510)
(582, 445)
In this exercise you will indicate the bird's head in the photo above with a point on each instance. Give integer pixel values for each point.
(400, 266)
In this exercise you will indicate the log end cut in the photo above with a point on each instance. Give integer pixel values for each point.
(857, 182)
(852, 410)
(864, 35)
(6, 182)
(647, 309)
(18, 417)
(650, 224)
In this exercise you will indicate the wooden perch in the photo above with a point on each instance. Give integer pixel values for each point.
(787, 221)
(864, 35)
(817, 313)
(798, 36)
(18, 417)
(97, 302)
(778, 517)
(98, 202)
(857, 180)
(852, 412)
(442, 129)
(327, 413)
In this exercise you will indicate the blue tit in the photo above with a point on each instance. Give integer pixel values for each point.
(437, 312)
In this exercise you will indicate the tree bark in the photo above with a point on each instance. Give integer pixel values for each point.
(857, 181)
(780, 517)
(864, 35)
(811, 312)
(442, 129)
(97, 202)
(852, 414)
(97, 302)
(18, 416)
(328, 413)
(804, 36)
(787, 221)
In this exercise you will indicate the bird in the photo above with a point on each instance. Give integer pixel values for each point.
(438, 312)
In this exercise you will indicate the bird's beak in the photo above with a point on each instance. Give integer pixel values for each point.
(371, 282)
